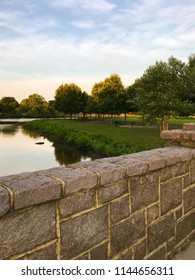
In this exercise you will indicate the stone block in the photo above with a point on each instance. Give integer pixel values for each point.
(109, 173)
(186, 181)
(119, 210)
(170, 194)
(160, 232)
(4, 202)
(189, 126)
(181, 168)
(143, 190)
(192, 171)
(48, 253)
(189, 199)
(159, 254)
(178, 213)
(140, 250)
(174, 134)
(83, 232)
(186, 154)
(33, 189)
(152, 213)
(193, 136)
(166, 173)
(127, 255)
(126, 233)
(109, 193)
(83, 257)
(133, 166)
(185, 227)
(25, 230)
(100, 252)
(74, 179)
(77, 202)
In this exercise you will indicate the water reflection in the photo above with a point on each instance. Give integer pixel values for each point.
(8, 129)
(19, 152)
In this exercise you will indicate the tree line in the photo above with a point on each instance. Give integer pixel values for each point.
(165, 89)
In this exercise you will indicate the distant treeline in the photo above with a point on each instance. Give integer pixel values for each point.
(165, 89)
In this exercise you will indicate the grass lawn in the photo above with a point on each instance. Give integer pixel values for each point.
(102, 136)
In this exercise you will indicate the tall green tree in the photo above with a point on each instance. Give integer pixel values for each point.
(34, 106)
(67, 99)
(9, 107)
(109, 95)
(159, 90)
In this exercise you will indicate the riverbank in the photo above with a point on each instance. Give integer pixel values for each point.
(104, 138)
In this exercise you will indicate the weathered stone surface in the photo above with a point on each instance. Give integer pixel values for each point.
(140, 250)
(83, 257)
(4, 202)
(166, 173)
(171, 194)
(119, 210)
(189, 199)
(32, 189)
(76, 202)
(181, 168)
(27, 229)
(174, 134)
(100, 252)
(48, 253)
(178, 213)
(109, 170)
(185, 227)
(143, 190)
(126, 233)
(133, 166)
(152, 213)
(160, 254)
(81, 233)
(74, 179)
(109, 193)
(127, 256)
(160, 232)
(109, 173)
(192, 171)
(186, 181)
(186, 154)
(189, 126)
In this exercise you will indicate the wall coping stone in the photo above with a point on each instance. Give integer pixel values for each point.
(184, 137)
(28, 189)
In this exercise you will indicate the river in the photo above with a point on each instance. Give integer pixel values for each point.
(25, 151)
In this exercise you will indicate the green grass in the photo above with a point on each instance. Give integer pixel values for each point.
(102, 136)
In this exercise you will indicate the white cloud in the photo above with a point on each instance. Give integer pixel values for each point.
(83, 24)
(100, 5)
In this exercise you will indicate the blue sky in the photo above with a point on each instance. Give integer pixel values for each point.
(44, 43)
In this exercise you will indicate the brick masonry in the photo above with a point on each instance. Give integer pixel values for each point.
(137, 206)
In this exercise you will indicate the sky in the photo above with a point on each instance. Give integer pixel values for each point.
(46, 43)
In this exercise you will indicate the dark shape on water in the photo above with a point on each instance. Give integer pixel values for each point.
(39, 143)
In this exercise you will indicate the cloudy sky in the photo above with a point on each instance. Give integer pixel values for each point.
(44, 43)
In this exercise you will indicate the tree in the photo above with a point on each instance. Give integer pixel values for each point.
(67, 99)
(159, 90)
(9, 107)
(34, 106)
(109, 95)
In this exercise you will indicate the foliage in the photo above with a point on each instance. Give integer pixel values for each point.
(108, 96)
(69, 99)
(9, 107)
(34, 106)
(159, 90)
(103, 138)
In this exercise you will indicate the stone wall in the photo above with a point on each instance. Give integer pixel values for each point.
(138, 206)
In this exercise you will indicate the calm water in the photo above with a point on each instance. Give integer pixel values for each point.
(20, 153)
